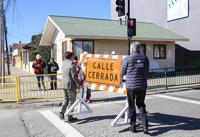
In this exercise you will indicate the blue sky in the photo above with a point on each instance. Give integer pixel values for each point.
(29, 16)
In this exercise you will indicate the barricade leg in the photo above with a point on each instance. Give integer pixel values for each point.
(124, 113)
(79, 103)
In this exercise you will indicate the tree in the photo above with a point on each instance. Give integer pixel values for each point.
(44, 51)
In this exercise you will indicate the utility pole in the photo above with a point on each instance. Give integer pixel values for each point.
(6, 42)
(129, 38)
(2, 62)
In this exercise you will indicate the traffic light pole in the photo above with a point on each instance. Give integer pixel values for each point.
(129, 38)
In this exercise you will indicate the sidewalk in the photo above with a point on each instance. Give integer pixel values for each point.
(25, 77)
(18, 71)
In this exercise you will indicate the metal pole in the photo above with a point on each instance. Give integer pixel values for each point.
(1, 40)
(129, 43)
(7, 52)
(166, 86)
(129, 38)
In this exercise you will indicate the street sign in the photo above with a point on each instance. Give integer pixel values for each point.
(106, 71)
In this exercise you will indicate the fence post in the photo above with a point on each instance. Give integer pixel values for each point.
(18, 91)
(166, 87)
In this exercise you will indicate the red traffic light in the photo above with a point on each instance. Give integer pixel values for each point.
(131, 27)
(132, 22)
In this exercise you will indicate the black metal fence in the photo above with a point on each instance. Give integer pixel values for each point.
(169, 77)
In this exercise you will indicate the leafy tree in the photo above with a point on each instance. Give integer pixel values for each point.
(35, 49)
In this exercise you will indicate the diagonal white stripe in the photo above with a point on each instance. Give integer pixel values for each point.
(64, 127)
(180, 99)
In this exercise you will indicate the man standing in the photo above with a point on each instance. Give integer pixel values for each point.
(135, 67)
(70, 83)
(52, 69)
(38, 68)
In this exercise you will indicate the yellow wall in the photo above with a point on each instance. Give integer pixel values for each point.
(121, 48)
(161, 63)
(18, 61)
(107, 46)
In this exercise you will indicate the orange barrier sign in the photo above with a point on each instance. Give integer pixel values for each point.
(106, 71)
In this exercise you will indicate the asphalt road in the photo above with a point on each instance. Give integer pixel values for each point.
(170, 115)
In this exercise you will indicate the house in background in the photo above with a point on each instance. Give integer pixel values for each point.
(102, 36)
(17, 54)
(26, 63)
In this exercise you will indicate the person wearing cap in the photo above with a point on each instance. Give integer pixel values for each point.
(135, 67)
(113, 53)
(38, 68)
(52, 69)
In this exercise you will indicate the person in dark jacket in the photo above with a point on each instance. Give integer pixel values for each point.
(135, 67)
(38, 68)
(52, 69)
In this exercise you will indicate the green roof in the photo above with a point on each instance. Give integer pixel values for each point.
(76, 26)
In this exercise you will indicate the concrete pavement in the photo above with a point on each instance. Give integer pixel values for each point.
(11, 124)
(172, 117)
(168, 117)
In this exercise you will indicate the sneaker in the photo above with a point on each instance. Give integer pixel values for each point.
(146, 131)
(61, 115)
(72, 119)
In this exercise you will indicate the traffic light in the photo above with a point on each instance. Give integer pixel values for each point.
(120, 7)
(131, 27)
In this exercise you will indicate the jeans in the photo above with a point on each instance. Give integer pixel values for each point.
(53, 81)
(40, 78)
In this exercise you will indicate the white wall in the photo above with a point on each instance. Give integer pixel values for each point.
(156, 11)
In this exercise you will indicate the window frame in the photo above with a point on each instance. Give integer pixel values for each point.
(82, 41)
(159, 49)
(144, 47)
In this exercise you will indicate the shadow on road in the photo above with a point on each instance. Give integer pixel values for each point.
(96, 118)
(163, 123)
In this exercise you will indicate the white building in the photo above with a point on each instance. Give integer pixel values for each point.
(180, 16)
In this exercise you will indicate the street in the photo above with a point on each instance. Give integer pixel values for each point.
(171, 114)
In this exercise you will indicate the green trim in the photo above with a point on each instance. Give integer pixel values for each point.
(111, 29)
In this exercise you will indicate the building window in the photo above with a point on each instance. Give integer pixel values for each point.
(79, 46)
(143, 49)
(159, 51)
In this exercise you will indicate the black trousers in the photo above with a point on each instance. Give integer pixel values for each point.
(137, 96)
(53, 82)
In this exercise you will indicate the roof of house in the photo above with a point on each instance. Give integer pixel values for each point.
(77, 27)
(17, 46)
(27, 46)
